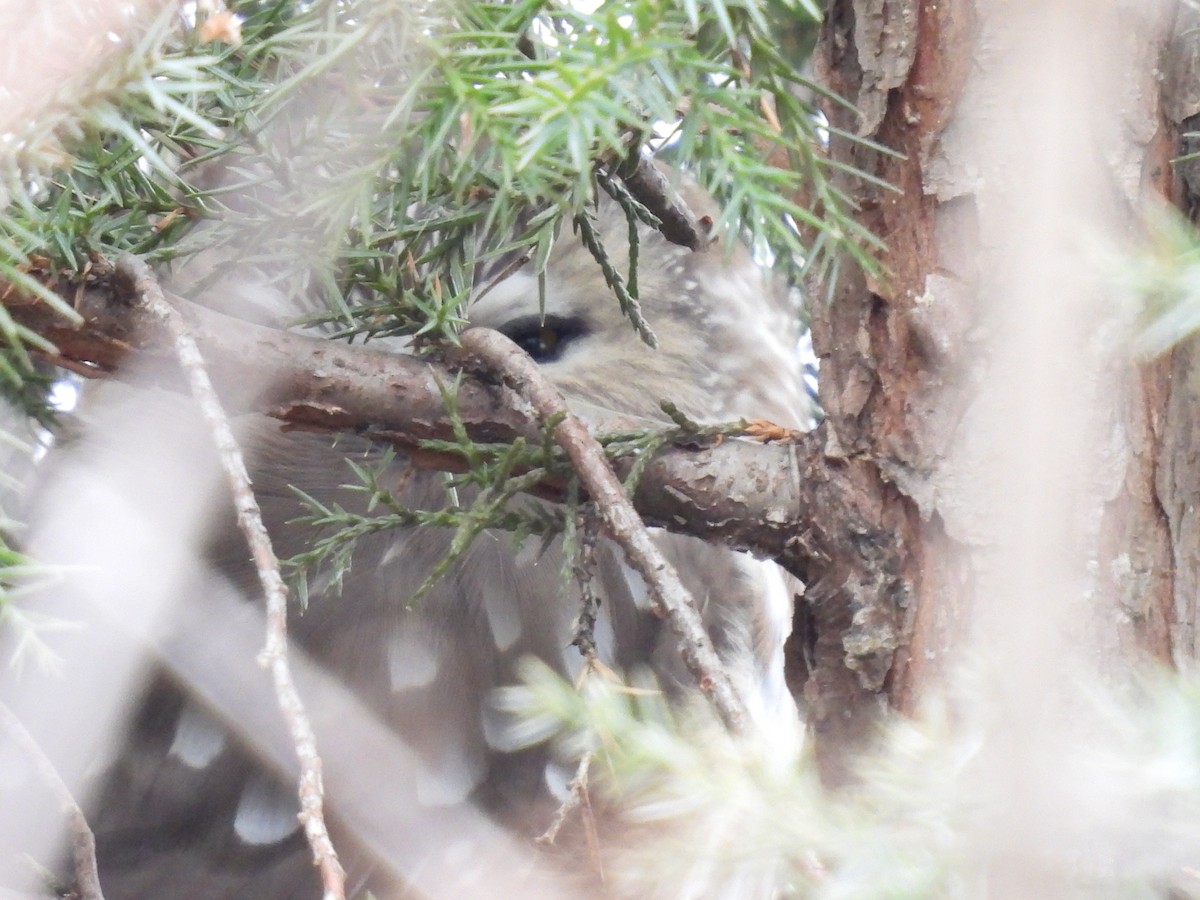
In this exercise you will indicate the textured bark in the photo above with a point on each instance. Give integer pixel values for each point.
(881, 345)
(897, 354)
(1177, 483)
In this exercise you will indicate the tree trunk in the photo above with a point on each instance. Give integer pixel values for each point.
(1039, 478)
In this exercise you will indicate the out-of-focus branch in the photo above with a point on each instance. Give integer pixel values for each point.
(311, 789)
(83, 842)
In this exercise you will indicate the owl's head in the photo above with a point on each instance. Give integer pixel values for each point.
(727, 335)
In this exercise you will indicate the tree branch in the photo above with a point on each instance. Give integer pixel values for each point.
(670, 599)
(274, 657)
(746, 494)
(650, 185)
(83, 842)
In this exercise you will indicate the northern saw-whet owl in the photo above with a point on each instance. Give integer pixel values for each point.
(426, 792)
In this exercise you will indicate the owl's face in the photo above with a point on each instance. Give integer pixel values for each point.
(726, 340)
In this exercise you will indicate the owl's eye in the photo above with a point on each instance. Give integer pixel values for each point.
(545, 339)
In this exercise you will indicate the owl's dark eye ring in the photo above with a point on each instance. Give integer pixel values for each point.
(545, 339)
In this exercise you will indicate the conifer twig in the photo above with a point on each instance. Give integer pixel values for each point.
(652, 188)
(274, 655)
(577, 798)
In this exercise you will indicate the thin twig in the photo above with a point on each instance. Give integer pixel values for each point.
(83, 842)
(626, 298)
(577, 798)
(249, 517)
(652, 188)
(671, 600)
(583, 567)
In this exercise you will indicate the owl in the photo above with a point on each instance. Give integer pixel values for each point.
(428, 793)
